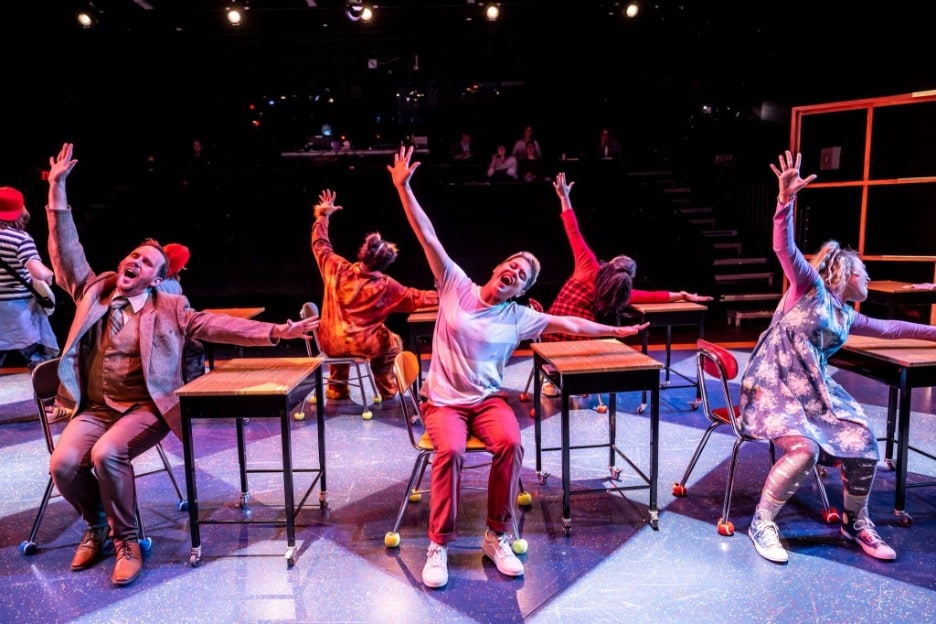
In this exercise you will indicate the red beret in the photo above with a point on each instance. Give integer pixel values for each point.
(11, 204)
(178, 257)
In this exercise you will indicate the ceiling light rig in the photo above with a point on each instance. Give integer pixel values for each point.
(492, 11)
(87, 16)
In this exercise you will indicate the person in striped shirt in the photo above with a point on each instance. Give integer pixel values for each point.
(24, 325)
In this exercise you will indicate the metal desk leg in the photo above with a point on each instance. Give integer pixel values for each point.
(669, 342)
(286, 439)
(892, 400)
(320, 424)
(654, 455)
(242, 462)
(190, 490)
(566, 470)
(903, 451)
(538, 420)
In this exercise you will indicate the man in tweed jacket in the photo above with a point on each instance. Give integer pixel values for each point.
(120, 368)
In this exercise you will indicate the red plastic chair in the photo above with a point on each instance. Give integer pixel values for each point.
(719, 363)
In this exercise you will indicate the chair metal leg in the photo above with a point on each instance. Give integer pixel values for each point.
(679, 489)
(725, 526)
(29, 546)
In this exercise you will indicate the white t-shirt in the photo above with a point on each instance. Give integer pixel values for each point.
(473, 341)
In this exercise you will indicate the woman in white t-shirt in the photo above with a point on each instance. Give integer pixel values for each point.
(477, 329)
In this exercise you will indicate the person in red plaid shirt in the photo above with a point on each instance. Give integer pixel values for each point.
(598, 288)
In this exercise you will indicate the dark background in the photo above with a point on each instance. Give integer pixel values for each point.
(682, 85)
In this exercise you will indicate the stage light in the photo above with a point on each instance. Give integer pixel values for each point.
(357, 12)
(234, 15)
(632, 10)
(87, 16)
(492, 12)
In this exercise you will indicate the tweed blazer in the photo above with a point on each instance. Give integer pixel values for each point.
(167, 321)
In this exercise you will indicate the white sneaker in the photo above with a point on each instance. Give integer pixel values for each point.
(766, 538)
(435, 572)
(497, 549)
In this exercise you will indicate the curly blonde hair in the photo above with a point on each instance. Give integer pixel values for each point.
(835, 265)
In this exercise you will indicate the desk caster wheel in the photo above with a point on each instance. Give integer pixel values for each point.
(695, 404)
(725, 527)
(28, 548)
(244, 499)
(654, 520)
(290, 557)
(195, 557)
(889, 464)
(641, 408)
(567, 526)
(903, 518)
(322, 502)
(543, 477)
(519, 546)
(391, 539)
(524, 499)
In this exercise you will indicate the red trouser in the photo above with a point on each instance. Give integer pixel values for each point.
(493, 422)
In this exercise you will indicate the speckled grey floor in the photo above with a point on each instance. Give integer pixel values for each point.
(613, 567)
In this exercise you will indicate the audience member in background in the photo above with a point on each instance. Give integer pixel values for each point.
(477, 330)
(359, 297)
(463, 149)
(120, 368)
(531, 169)
(24, 325)
(607, 147)
(503, 166)
(519, 150)
(787, 393)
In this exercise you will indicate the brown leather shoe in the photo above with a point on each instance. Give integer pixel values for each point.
(129, 562)
(94, 545)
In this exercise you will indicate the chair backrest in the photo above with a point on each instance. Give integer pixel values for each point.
(717, 362)
(45, 384)
(310, 310)
(406, 370)
(536, 305)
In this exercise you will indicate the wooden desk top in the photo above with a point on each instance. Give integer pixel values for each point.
(593, 356)
(246, 313)
(423, 315)
(669, 306)
(907, 352)
(892, 287)
(252, 376)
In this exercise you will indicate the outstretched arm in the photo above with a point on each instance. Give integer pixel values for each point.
(402, 172)
(795, 267)
(577, 326)
(68, 257)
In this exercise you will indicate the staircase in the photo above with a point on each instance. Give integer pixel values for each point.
(749, 284)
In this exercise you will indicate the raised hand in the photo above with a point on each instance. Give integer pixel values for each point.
(402, 169)
(62, 164)
(562, 189)
(326, 205)
(789, 177)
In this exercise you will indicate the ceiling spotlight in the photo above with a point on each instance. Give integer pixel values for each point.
(632, 9)
(354, 10)
(235, 14)
(492, 12)
(87, 16)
